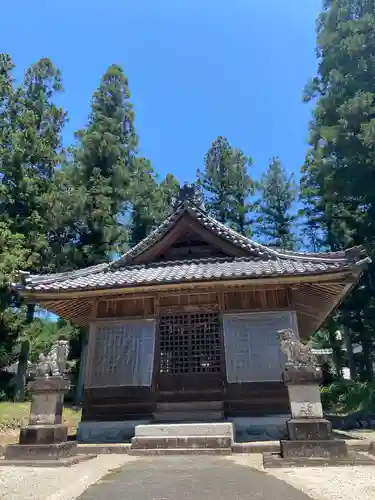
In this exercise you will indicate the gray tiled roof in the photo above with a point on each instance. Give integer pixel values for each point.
(261, 261)
(253, 248)
(181, 271)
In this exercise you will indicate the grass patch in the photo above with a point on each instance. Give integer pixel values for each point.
(16, 415)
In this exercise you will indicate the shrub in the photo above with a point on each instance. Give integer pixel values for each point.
(347, 396)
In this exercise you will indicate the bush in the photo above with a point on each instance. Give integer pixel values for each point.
(347, 396)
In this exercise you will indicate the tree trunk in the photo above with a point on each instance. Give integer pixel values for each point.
(19, 394)
(366, 343)
(349, 350)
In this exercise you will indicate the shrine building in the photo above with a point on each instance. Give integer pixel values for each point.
(183, 326)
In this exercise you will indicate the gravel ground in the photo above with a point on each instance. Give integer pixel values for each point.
(37, 483)
(322, 483)
(338, 483)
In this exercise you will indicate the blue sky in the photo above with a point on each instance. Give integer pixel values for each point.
(197, 69)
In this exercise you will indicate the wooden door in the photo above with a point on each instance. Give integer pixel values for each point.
(190, 353)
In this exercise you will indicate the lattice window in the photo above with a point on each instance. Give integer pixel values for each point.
(190, 343)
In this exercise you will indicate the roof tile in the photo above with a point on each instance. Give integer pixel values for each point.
(174, 272)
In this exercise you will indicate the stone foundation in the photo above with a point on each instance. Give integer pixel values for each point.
(43, 434)
(313, 449)
(268, 428)
(245, 429)
(108, 432)
(303, 429)
(46, 452)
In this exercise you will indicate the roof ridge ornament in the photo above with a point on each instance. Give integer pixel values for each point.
(189, 191)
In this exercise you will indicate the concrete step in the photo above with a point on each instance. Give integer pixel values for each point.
(181, 442)
(185, 429)
(192, 416)
(180, 451)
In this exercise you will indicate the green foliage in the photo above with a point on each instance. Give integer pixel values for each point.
(227, 185)
(150, 201)
(347, 396)
(42, 333)
(103, 165)
(30, 151)
(275, 218)
(338, 175)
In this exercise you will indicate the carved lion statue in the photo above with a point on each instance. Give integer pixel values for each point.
(54, 364)
(297, 354)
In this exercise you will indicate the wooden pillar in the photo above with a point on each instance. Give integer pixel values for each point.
(82, 369)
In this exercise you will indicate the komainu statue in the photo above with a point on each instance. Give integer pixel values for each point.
(297, 354)
(54, 364)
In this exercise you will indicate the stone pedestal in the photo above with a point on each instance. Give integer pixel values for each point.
(47, 400)
(310, 434)
(44, 440)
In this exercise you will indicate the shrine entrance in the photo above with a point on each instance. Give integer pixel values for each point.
(190, 354)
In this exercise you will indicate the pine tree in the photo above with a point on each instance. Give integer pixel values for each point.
(241, 207)
(29, 159)
(13, 256)
(146, 202)
(226, 184)
(338, 176)
(30, 151)
(151, 202)
(276, 219)
(104, 163)
(169, 189)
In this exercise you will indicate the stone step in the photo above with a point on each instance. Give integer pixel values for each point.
(190, 406)
(328, 448)
(180, 451)
(191, 416)
(275, 460)
(215, 429)
(181, 442)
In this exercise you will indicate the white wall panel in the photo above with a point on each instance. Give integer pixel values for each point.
(122, 353)
(252, 349)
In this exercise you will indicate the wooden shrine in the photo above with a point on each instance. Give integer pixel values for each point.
(183, 326)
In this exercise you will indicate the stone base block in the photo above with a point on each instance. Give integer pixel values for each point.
(302, 375)
(108, 432)
(206, 430)
(371, 448)
(308, 429)
(56, 451)
(43, 434)
(257, 447)
(101, 449)
(275, 460)
(267, 428)
(305, 401)
(64, 462)
(185, 442)
(318, 449)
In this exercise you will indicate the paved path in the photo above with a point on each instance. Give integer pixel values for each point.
(189, 478)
